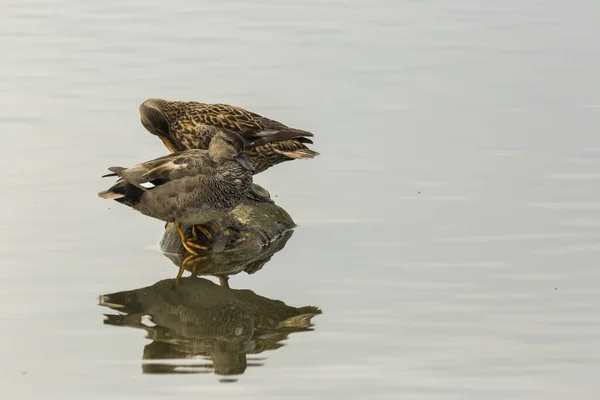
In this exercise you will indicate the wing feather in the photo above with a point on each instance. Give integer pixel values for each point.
(165, 169)
(250, 125)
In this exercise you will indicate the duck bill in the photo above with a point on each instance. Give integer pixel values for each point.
(243, 160)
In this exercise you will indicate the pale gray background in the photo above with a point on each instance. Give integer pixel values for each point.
(484, 285)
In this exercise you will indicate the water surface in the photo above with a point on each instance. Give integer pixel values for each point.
(449, 231)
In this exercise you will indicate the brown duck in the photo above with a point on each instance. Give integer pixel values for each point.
(187, 188)
(192, 125)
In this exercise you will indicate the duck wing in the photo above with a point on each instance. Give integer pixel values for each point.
(253, 127)
(165, 169)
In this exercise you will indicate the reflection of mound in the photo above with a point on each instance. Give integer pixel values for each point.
(230, 262)
(200, 318)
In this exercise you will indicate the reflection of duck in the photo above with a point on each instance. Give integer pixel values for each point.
(188, 188)
(202, 319)
(192, 125)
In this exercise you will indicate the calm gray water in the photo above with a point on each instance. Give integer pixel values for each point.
(449, 231)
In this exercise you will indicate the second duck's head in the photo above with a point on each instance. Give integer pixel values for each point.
(228, 146)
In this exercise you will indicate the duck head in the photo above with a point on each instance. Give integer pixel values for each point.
(229, 146)
(155, 121)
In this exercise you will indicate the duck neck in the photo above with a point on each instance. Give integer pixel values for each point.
(230, 167)
(218, 158)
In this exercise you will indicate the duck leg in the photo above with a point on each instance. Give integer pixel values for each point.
(202, 230)
(179, 273)
(187, 244)
(223, 281)
(185, 264)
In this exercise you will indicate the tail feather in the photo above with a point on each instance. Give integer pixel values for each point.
(279, 135)
(123, 191)
(117, 170)
(298, 154)
(108, 195)
(304, 140)
(283, 132)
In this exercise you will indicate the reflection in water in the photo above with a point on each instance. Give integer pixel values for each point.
(223, 264)
(199, 320)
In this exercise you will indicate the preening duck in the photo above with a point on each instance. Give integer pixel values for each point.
(191, 125)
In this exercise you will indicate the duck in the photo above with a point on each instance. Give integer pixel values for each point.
(188, 125)
(188, 188)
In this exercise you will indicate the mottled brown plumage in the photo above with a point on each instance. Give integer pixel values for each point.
(192, 125)
(190, 187)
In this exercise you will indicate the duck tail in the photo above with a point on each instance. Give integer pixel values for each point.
(116, 171)
(123, 191)
(109, 195)
(298, 151)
